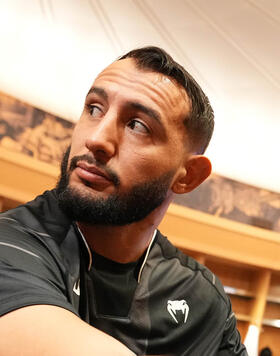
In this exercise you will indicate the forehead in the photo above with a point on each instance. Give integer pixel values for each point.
(124, 79)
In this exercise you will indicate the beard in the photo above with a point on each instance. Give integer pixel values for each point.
(118, 208)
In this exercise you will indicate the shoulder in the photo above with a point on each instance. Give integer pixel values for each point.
(41, 215)
(35, 234)
(189, 272)
(37, 256)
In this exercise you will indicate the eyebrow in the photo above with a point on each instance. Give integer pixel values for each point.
(99, 91)
(131, 104)
(146, 110)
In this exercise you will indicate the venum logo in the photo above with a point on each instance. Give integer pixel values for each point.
(176, 306)
(76, 287)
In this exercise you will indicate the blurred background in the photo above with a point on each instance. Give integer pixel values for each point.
(52, 50)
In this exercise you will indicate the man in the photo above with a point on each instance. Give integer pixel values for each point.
(90, 249)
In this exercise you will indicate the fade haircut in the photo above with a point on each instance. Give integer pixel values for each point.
(200, 121)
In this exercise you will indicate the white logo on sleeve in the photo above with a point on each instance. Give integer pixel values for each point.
(176, 306)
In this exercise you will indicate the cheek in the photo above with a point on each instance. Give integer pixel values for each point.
(78, 140)
(142, 165)
(161, 158)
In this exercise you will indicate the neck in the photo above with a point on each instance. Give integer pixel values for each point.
(126, 243)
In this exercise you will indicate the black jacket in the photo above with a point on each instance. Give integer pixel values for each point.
(177, 307)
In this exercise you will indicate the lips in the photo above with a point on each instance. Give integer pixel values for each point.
(91, 173)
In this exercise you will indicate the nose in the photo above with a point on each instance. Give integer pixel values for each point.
(102, 139)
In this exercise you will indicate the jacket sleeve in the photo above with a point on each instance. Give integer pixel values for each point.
(231, 343)
(29, 274)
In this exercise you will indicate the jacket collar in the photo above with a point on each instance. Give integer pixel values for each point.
(89, 253)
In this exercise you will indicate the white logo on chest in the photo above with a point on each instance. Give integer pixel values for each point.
(174, 306)
(76, 288)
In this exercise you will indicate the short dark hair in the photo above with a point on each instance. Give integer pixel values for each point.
(200, 121)
(266, 351)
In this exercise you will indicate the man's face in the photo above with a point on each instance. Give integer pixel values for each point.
(128, 147)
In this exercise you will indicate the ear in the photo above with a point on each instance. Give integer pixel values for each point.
(196, 170)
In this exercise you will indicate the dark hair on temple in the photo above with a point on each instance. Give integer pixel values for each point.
(200, 121)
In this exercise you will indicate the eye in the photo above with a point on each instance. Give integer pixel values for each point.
(138, 126)
(94, 110)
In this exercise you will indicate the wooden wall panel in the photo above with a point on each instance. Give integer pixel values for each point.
(210, 235)
(270, 336)
(241, 306)
(262, 282)
(23, 177)
(242, 327)
(272, 311)
(236, 277)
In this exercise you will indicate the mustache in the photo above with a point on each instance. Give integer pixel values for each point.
(91, 160)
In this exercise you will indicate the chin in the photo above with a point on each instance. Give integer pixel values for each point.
(86, 190)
